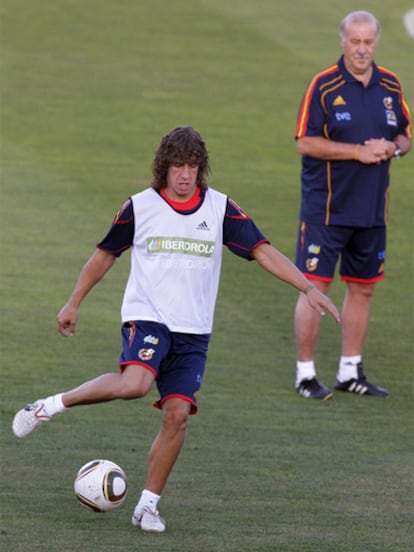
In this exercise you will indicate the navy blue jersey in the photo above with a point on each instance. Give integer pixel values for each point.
(240, 234)
(338, 107)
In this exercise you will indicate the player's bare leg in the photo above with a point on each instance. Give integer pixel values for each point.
(307, 326)
(134, 382)
(168, 443)
(355, 317)
(161, 459)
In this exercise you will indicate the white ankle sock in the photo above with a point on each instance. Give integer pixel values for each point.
(54, 405)
(305, 371)
(348, 367)
(149, 499)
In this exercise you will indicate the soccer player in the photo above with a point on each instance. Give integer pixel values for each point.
(353, 119)
(175, 231)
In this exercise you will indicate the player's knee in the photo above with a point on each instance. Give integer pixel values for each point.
(175, 415)
(363, 291)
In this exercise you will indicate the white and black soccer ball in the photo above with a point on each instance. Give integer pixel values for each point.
(101, 485)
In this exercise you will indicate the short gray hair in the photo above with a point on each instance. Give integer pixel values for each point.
(356, 17)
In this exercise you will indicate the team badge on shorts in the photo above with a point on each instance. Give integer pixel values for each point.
(146, 354)
(312, 264)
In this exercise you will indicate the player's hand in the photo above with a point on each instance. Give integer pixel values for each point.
(321, 302)
(374, 151)
(67, 319)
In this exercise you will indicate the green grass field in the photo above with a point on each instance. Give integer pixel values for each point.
(88, 89)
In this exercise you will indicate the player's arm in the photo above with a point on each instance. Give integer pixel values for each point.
(118, 239)
(280, 266)
(92, 272)
(322, 148)
(373, 151)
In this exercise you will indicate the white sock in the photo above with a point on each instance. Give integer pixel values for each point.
(305, 371)
(348, 367)
(149, 499)
(54, 405)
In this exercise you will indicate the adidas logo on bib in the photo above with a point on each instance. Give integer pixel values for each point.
(203, 226)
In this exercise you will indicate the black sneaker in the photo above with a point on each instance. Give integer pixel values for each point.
(360, 385)
(312, 389)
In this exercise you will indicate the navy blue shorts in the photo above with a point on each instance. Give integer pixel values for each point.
(362, 252)
(177, 360)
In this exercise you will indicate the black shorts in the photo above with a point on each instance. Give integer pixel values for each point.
(177, 360)
(362, 252)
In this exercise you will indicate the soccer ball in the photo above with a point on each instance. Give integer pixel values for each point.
(101, 485)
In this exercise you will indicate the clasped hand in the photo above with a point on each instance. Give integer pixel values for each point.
(376, 150)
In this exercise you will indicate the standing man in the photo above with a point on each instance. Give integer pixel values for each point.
(352, 121)
(175, 230)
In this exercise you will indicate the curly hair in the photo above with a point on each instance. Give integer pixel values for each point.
(180, 145)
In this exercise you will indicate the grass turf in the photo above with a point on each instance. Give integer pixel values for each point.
(88, 90)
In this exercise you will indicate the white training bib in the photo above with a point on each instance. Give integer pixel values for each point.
(175, 263)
